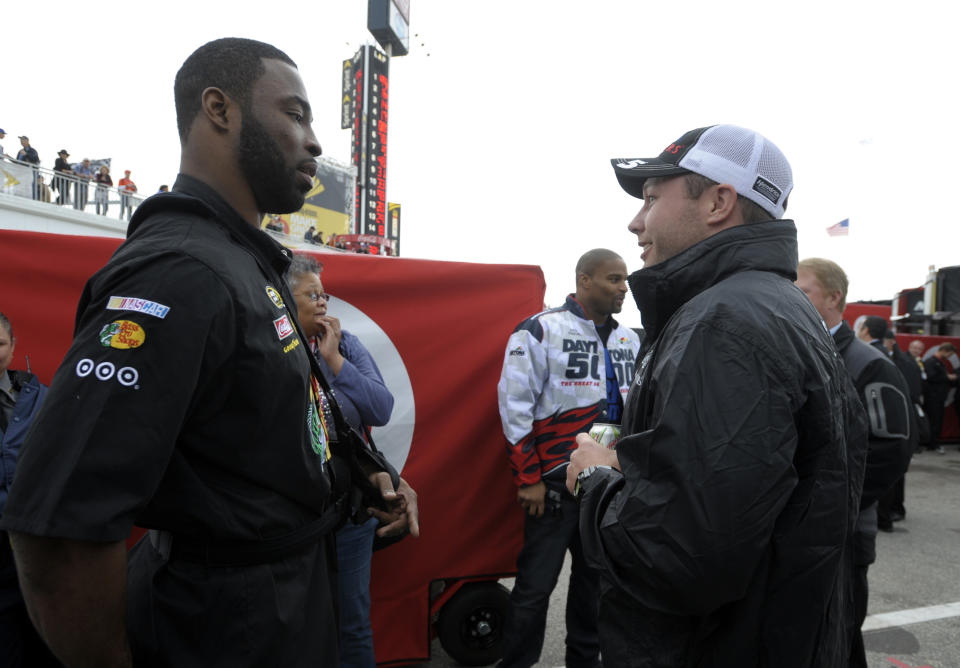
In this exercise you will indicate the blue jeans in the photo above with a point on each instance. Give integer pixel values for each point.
(545, 543)
(354, 549)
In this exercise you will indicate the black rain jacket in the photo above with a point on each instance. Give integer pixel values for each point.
(726, 541)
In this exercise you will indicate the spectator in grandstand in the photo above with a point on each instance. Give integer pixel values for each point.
(29, 155)
(84, 173)
(164, 189)
(20, 397)
(102, 195)
(939, 381)
(127, 187)
(308, 235)
(42, 189)
(3, 153)
(366, 402)
(60, 183)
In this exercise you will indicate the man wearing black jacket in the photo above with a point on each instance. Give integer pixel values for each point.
(721, 524)
(891, 507)
(188, 405)
(939, 381)
(886, 398)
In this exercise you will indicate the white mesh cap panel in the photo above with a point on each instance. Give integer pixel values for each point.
(730, 143)
(754, 166)
(774, 166)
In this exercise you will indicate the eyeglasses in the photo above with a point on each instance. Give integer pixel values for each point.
(317, 296)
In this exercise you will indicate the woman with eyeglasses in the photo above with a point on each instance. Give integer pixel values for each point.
(366, 402)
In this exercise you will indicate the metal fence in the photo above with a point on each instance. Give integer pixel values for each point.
(59, 189)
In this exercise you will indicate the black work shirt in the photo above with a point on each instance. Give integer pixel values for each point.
(182, 402)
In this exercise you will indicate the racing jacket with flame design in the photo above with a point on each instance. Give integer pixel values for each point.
(554, 386)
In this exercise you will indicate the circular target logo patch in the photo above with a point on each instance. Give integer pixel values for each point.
(105, 371)
(128, 376)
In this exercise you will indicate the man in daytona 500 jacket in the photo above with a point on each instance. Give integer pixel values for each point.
(724, 537)
(563, 369)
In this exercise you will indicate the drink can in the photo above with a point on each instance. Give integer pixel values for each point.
(605, 434)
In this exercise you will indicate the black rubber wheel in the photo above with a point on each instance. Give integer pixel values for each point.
(471, 623)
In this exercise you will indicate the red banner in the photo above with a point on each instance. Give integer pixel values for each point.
(437, 331)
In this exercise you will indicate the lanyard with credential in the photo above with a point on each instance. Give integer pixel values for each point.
(320, 397)
(319, 433)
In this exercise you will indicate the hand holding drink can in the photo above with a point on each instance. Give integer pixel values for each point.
(605, 434)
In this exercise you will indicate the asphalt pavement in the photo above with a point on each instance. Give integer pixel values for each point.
(914, 610)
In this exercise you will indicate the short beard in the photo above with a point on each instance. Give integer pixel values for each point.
(273, 183)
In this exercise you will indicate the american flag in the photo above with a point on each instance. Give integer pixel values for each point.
(840, 229)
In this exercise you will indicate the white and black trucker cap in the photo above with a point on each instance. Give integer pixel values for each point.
(749, 162)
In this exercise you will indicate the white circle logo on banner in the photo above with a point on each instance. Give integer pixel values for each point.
(394, 438)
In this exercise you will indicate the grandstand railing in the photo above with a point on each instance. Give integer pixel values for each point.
(45, 185)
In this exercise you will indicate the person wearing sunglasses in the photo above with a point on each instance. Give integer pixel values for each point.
(366, 402)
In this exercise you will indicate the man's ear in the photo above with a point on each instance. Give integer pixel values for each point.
(219, 109)
(720, 202)
(835, 297)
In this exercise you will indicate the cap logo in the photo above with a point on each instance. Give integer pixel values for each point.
(630, 164)
(767, 189)
(674, 148)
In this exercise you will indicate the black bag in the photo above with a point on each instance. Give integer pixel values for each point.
(368, 496)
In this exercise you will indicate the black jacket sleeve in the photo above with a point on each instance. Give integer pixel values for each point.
(685, 527)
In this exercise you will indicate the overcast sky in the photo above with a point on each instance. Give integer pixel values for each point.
(505, 114)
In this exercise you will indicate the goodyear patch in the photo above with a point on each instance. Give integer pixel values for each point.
(283, 327)
(291, 346)
(274, 296)
(139, 305)
(122, 334)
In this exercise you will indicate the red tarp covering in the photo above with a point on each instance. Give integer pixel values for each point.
(448, 321)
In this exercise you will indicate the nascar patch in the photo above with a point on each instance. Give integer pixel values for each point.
(274, 296)
(139, 305)
(283, 327)
(122, 334)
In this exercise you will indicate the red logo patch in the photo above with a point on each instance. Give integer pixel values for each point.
(283, 327)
